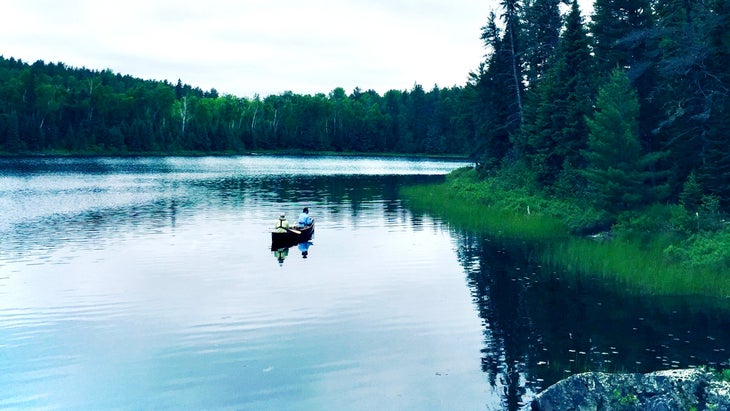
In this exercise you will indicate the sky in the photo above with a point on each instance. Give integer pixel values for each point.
(250, 47)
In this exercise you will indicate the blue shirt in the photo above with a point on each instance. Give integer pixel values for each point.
(305, 219)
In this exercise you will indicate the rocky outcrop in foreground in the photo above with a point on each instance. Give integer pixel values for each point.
(692, 389)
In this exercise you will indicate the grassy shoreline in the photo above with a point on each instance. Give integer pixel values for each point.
(638, 265)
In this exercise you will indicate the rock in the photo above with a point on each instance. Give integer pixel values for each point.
(692, 389)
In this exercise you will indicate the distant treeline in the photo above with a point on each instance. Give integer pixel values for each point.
(47, 107)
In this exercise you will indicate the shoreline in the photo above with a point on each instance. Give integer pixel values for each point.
(640, 265)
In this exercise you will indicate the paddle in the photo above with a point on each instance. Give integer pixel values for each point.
(294, 231)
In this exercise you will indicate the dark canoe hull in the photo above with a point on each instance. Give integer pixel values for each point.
(290, 238)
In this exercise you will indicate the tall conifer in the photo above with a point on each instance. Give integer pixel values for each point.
(623, 33)
(556, 131)
(616, 168)
(693, 92)
(499, 115)
(541, 31)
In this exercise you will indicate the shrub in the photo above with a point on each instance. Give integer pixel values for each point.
(704, 250)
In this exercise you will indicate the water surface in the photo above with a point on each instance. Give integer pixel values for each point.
(149, 283)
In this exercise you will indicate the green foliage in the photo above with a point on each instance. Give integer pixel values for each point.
(51, 108)
(655, 251)
(691, 196)
(486, 205)
(616, 168)
(497, 101)
(644, 161)
(521, 116)
(725, 375)
(709, 250)
(554, 131)
(511, 208)
(542, 23)
(625, 399)
(670, 121)
(647, 225)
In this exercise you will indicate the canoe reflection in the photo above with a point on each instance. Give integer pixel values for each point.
(304, 248)
(281, 253)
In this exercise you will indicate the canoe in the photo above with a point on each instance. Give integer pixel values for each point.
(292, 236)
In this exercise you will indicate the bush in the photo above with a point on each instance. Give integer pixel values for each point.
(704, 250)
(651, 223)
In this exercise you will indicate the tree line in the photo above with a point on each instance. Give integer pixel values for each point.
(50, 107)
(627, 109)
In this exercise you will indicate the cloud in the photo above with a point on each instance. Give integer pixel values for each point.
(251, 47)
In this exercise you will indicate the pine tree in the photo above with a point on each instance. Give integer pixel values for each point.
(623, 33)
(693, 90)
(616, 168)
(715, 171)
(541, 31)
(555, 129)
(691, 196)
(512, 49)
(499, 115)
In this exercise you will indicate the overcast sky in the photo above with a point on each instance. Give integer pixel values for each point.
(247, 47)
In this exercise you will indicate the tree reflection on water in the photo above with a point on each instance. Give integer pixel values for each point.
(541, 325)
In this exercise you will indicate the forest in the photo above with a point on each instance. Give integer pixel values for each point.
(47, 107)
(628, 106)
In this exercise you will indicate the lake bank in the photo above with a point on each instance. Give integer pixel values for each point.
(635, 260)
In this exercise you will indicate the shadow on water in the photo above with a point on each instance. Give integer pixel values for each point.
(540, 326)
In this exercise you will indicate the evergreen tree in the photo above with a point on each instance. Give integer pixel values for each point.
(512, 49)
(497, 117)
(541, 31)
(555, 129)
(10, 130)
(715, 171)
(623, 33)
(693, 90)
(616, 168)
(691, 196)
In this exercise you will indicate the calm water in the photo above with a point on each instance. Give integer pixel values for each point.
(150, 284)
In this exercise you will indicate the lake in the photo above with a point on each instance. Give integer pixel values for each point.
(150, 283)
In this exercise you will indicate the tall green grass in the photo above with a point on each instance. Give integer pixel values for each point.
(499, 222)
(637, 266)
(463, 202)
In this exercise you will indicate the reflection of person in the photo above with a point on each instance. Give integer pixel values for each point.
(281, 224)
(281, 254)
(304, 218)
(304, 248)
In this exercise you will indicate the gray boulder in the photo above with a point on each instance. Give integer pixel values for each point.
(692, 389)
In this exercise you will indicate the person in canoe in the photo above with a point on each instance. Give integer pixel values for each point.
(304, 218)
(281, 225)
